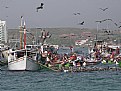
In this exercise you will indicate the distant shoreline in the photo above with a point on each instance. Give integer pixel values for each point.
(56, 32)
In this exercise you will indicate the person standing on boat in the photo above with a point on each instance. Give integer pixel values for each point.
(63, 62)
(112, 55)
(117, 51)
(43, 36)
(71, 48)
(73, 58)
(48, 61)
(108, 49)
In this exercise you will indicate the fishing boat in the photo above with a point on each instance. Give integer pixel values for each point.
(3, 54)
(23, 58)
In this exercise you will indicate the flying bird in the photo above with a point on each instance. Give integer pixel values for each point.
(119, 27)
(82, 23)
(107, 20)
(99, 21)
(110, 19)
(40, 7)
(76, 13)
(116, 24)
(104, 20)
(103, 9)
(6, 7)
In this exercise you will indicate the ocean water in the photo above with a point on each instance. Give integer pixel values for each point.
(60, 81)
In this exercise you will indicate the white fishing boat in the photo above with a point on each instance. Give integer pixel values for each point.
(23, 60)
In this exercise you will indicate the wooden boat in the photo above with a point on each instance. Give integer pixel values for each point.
(23, 60)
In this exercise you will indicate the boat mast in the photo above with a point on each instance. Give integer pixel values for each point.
(24, 35)
(21, 28)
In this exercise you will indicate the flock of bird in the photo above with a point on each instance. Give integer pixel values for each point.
(103, 9)
(78, 13)
(80, 23)
(39, 7)
(100, 21)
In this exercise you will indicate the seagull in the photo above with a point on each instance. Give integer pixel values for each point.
(104, 20)
(110, 19)
(99, 21)
(107, 20)
(119, 27)
(40, 7)
(103, 9)
(76, 13)
(82, 23)
(116, 24)
(6, 7)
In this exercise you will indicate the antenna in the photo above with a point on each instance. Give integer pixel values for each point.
(24, 35)
(21, 28)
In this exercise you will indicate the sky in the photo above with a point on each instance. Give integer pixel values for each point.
(60, 13)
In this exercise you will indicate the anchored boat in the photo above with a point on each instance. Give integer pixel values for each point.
(24, 58)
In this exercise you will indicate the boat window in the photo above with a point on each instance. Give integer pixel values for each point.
(28, 47)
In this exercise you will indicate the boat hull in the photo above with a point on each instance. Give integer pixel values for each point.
(23, 64)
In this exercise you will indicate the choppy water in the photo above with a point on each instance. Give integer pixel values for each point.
(60, 81)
